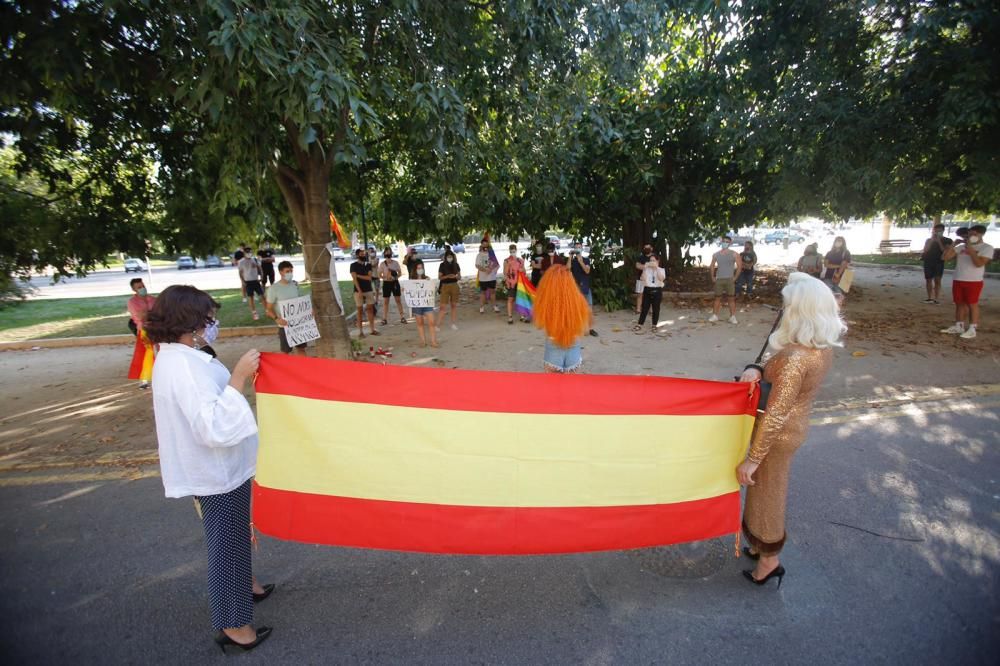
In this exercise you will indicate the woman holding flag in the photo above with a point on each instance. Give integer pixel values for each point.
(513, 266)
(561, 311)
(810, 328)
(207, 438)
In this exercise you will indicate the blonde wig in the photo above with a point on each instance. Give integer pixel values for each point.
(559, 308)
(811, 317)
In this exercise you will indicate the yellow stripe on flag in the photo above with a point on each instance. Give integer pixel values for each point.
(422, 455)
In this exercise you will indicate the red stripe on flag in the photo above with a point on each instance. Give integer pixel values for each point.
(473, 530)
(509, 392)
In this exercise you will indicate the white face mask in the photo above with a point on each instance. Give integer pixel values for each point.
(287, 277)
(551, 253)
(974, 239)
(513, 253)
(725, 246)
(211, 333)
(538, 249)
(420, 272)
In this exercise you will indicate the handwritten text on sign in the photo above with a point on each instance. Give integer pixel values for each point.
(419, 293)
(298, 312)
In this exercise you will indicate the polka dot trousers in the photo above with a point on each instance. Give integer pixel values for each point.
(227, 536)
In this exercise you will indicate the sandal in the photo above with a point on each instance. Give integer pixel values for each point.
(402, 320)
(385, 322)
(637, 329)
(510, 320)
(374, 333)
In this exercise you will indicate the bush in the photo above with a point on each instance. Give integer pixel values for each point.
(610, 286)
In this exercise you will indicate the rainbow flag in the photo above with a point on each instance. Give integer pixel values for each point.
(579, 463)
(338, 231)
(524, 297)
(494, 262)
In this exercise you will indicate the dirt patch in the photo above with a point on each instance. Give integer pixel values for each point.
(74, 407)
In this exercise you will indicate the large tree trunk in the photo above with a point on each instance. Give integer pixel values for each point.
(306, 191)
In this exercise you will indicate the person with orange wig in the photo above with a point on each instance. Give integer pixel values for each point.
(561, 311)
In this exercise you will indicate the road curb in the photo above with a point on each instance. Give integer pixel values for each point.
(126, 339)
(911, 267)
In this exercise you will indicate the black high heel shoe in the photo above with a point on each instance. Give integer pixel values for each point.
(749, 553)
(222, 640)
(268, 589)
(778, 571)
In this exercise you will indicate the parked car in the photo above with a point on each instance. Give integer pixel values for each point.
(134, 265)
(458, 247)
(555, 240)
(185, 262)
(339, 254)
(427, 251)
(212, 261)
(779, 236)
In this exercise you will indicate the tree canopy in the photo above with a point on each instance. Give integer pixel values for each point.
(194, 124)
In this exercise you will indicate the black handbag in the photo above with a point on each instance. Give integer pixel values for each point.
(765, 387)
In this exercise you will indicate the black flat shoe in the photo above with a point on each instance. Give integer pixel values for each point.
(268, 589)
(779, 572)
(749, 553)
(222, 640)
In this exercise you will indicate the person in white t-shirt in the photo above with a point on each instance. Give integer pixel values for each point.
(971, 259)
(487, 267)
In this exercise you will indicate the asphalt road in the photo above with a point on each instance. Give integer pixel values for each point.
(893, 557)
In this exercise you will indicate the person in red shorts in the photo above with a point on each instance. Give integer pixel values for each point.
(972, 257)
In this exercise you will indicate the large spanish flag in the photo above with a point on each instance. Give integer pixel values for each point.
(461, 461)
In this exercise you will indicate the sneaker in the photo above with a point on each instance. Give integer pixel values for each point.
(454, 327)
(496, 309)
(714, 317)
(955, 329)
(244, 299)
(936, 302)
(143, 386)
(928, 301)
(732, 320)
(482, 310)
(969, 334)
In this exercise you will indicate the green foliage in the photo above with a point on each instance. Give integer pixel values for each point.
(610, 286)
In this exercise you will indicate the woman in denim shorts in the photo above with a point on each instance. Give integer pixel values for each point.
(561, 311)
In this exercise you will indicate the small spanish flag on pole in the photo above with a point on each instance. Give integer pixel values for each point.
(550, 464)
(338, 231)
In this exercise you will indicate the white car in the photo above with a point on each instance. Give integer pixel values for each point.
(338, 254)
(134, 265)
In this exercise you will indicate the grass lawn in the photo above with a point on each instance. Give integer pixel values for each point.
(911, 259)
(106, 315)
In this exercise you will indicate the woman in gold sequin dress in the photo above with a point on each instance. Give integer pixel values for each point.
(803, 343)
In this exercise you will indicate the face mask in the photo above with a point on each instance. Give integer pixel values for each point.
(538, 249)
(974, 239)
(211, 333)
(725, 246)
(287, 277)
(420, 272)
(551, 253)
(142, 291)
(513, 253)
(484, 249)
(838, 244)
(449, 259)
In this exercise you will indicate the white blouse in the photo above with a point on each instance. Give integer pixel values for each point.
(206, 429)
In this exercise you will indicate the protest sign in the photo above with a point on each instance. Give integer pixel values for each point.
(301, 324)
(419, 293)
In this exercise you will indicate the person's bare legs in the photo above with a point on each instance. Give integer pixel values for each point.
(765, 565)
(253, 307)
(974, 314)
(434, 340)
(399, 306)
(361, 321)
(937, 289)
(454, 313)
(930, 289)
(732, 306)
(300, 351)
(371, 318)
(245, 634)
(482, 299)
(961, 312)
(717, 305)
(421, 320)
(385, 310)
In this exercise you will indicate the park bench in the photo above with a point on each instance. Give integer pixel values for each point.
(887, 246)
